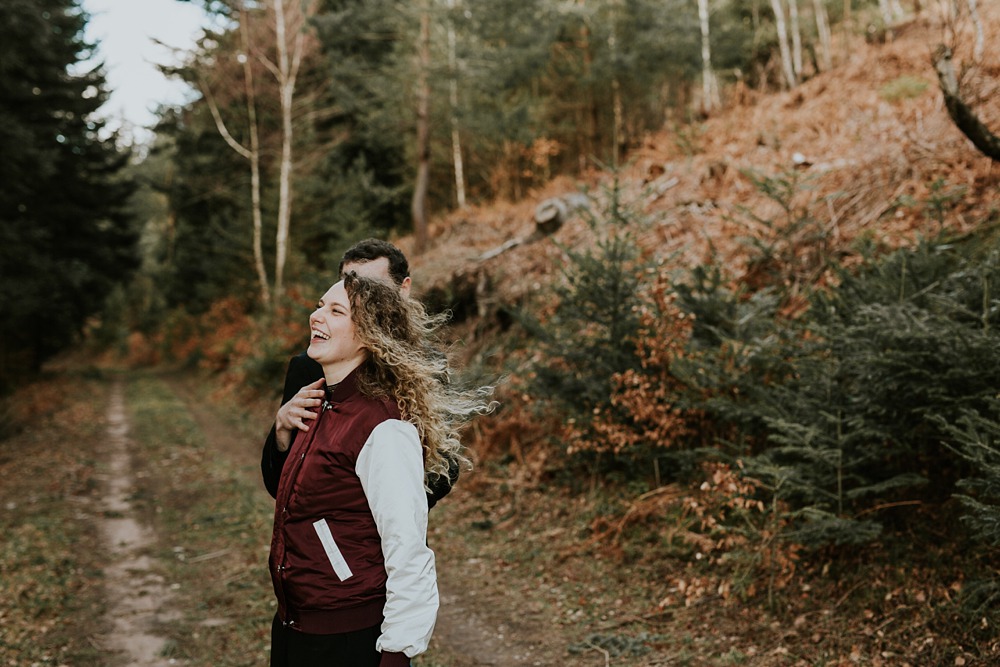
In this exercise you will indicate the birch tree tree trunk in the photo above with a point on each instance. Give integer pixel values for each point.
(418, 205)
(709, 87)
(456, 142)
(786, 55)
(286, 70)
(825, 38)
(796, 28)
(258, 252)
(252, 154)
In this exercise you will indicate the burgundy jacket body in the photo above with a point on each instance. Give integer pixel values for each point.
(318, 483)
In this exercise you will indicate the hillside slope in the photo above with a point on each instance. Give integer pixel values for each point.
(868, 152)
(869, 142)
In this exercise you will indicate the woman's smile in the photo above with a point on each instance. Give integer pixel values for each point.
(332, 339)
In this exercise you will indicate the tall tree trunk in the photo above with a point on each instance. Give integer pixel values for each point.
(252, 156)
(588, 143)
(786, 55)
(796, 29)
(258, 252)
(823, 30)
(418, 205)
(456, 142)
(847, 27)
(709, 89)
(619, 112)
(757, 39)
(286, 71)
(618, 139)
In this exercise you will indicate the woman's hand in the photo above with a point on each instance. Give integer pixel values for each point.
(293, 414)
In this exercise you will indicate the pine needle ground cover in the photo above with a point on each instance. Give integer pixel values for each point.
(51, 588)
(554, 571)
(598, 577)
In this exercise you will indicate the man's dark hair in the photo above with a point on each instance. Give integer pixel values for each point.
(372, 249)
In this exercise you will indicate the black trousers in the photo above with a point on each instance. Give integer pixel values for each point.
(291, 648)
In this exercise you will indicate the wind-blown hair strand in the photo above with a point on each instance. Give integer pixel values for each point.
(406, 362)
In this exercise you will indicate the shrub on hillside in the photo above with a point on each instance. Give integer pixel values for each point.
(645, 415)
(976, 438)
(844, 404)
(840, 407)
(591, 336)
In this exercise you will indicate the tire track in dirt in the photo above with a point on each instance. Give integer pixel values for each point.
(138, 598)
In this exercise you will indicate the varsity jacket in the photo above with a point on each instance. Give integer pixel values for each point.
(349, 547)
(302, 371)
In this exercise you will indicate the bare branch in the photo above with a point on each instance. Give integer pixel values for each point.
(219, 123)
(271, 67)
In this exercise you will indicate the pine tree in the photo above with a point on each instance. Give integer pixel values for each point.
(363, 184)
(64, 237)
(592, 334)
(846, 409)
(976, 438)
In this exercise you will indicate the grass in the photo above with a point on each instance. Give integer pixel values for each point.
(519, 558)
(50, 556)
(903, 88)
(212, 518)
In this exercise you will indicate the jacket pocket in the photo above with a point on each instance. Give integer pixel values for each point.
(336, 558)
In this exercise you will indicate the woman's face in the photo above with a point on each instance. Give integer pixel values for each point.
(332, 340)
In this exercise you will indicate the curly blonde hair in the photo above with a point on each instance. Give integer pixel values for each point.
(406, 362)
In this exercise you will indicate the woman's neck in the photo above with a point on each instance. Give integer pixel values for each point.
(335, 373)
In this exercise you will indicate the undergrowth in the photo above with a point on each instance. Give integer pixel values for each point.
(51, 607)
(771, 427)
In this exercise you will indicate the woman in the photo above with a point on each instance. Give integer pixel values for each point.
(354, 578)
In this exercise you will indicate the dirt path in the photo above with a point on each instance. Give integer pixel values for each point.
(470, 638)
(138, 597)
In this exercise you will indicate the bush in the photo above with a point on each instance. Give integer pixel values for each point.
(850, 399)
(977, 440)
(840, 407)
(591, 336)
(646, 419)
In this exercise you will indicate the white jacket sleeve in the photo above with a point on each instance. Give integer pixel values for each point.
(391, 469)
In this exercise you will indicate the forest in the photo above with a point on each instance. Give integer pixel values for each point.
(732, 265)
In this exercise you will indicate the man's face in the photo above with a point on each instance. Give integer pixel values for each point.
(377, 269)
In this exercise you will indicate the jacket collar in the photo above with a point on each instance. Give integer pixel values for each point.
(344, 389)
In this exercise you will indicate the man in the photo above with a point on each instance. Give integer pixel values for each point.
(304, 389)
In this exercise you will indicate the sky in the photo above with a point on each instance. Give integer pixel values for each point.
(125, 30)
